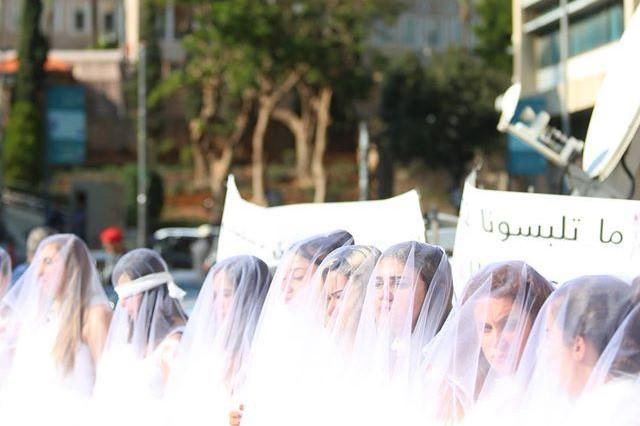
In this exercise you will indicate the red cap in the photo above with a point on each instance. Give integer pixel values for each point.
(111, 235)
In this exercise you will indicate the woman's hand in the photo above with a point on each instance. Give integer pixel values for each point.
(168, 351)
(235, 416)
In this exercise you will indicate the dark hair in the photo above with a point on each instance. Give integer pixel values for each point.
(317, 248)
(252, 270)
(506, 280)
(342, 260)
(594, 308)
(426, 258)
(627, 359)
(146, 264)
(160, 308)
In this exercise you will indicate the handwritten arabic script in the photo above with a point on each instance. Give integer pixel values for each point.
(565, 229)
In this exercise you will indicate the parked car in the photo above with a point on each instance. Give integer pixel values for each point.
(186, 248)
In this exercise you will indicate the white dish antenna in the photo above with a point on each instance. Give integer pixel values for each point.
(616, 115)
(508, 103)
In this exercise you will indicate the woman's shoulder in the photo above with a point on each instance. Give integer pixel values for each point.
(170, 343)
(99, 313)
(97, 316)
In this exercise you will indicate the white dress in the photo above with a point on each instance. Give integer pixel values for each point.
(37, 390)
(132, 384)
(501, 398)
(617, 402)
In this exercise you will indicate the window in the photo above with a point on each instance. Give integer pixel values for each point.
(58, 16)
(409, 30)
(586, 33)
(79, 20)
(109, 22)
(596, 30)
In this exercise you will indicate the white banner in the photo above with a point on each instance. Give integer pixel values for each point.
(267, 232)
(560, 236)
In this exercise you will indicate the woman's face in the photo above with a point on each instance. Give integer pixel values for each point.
(131, 303)
(334, 286)
(572, 359)
(296, 276)
(398, 292)
(223, 296)
(50, 270)
(503, 332)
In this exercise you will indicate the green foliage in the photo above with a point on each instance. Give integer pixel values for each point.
(153, 72)
(493, 33)
(155, 196)
(23, 151)
(32, 54)
(441, 113)
(23, 145)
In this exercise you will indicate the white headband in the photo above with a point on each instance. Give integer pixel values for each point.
(148, 282)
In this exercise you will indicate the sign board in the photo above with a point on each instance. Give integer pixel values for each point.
(66, 125)
(266, 232)
(562, 237)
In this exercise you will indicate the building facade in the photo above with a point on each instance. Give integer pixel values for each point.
(593, 30)
(425, 28)
(98, 41)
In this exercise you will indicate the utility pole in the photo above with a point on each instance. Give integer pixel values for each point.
(2, 98)
(564, 64)
(363, 171)
(142, 148)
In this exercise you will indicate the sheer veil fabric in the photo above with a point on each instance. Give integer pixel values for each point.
(144, 334)
(408, 298)
(612, 393)
(567, 344)
(50, 338)
(338, 334)
(216, 342)
(469, 367)
(334, 301)
(283, 333)
(5, 272)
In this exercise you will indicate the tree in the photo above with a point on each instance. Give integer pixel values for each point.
(443, 113)
(23, 152)
(218, 85)
(464, 15)
(153, 72)
(311, 46)
(333, 37)
(272, 32)
(493, 33)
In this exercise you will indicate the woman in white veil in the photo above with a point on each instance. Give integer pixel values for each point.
(335, 299)
(612, 393)
(408, 298)
(283, 329)
(145, 331)
(56, 320)
(571, 333)
(469, 368)
(211, 357)
(5, 272)
(337, 293)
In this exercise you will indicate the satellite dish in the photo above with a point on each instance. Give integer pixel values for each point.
(616, 115)
(508, 105)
